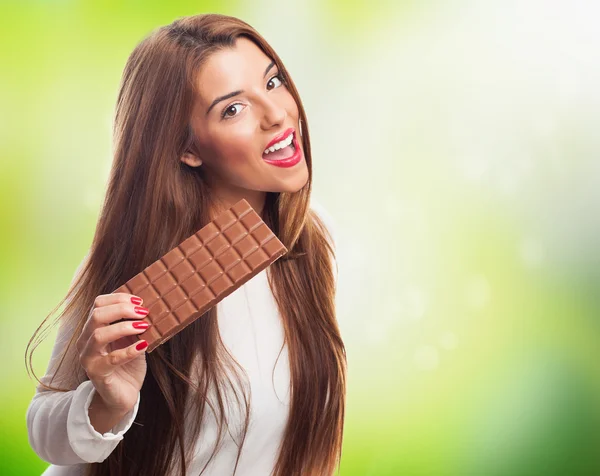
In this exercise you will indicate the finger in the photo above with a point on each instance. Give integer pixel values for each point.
(114, 298)
(122, 343)
(107, 365)
(101, 337)
(105, 315)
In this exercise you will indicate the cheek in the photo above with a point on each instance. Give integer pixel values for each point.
(235, 149)
(291, 106)
(231, 145)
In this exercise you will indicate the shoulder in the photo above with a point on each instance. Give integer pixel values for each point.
(326, 218)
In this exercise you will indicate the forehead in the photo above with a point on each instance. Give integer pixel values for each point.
(229, 69)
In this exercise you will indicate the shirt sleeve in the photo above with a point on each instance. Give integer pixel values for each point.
(58, 423)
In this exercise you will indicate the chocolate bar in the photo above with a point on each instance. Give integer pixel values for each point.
(202, 270)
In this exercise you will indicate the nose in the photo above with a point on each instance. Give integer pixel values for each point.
(274, 113)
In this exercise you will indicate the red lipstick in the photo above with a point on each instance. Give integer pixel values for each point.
(279, 137)
(289, 161)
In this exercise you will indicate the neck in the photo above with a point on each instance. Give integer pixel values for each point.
(226, 198)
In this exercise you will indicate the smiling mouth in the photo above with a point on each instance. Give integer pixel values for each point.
(283, 152)
(288, 156)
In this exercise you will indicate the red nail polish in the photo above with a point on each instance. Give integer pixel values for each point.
(141, 310)
(142, 345)
(136, 300)
(141, 325)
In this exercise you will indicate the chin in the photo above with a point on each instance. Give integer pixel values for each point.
(296, 186)
(292, 185)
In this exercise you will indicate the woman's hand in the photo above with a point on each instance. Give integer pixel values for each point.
(114, 360)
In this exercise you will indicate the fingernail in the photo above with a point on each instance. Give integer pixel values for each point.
(142, 345)
(141, 325)
(136, 300)
(141, 310)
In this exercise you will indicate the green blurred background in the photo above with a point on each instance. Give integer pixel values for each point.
(455, 145)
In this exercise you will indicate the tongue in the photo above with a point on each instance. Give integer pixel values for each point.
(280, 154)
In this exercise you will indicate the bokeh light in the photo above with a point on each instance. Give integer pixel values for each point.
(455, 146)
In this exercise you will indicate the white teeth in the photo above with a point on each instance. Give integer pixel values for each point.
(280, 145)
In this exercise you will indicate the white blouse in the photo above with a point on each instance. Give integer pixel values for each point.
(250, 325)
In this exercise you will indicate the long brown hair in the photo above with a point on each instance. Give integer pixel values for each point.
(153, 202)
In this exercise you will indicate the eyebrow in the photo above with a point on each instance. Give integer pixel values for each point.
(235, 93)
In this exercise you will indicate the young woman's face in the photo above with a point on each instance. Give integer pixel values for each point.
(233, 132)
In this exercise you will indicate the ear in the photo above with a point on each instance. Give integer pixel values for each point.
(191, 159)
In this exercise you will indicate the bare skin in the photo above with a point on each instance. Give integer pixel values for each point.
(231, 147)
(231, 138)
(109, 355)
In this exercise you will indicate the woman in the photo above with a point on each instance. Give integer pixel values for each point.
(256, 386)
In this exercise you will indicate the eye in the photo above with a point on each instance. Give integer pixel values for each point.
(231, 108)
(279, 78)
(225, 115)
